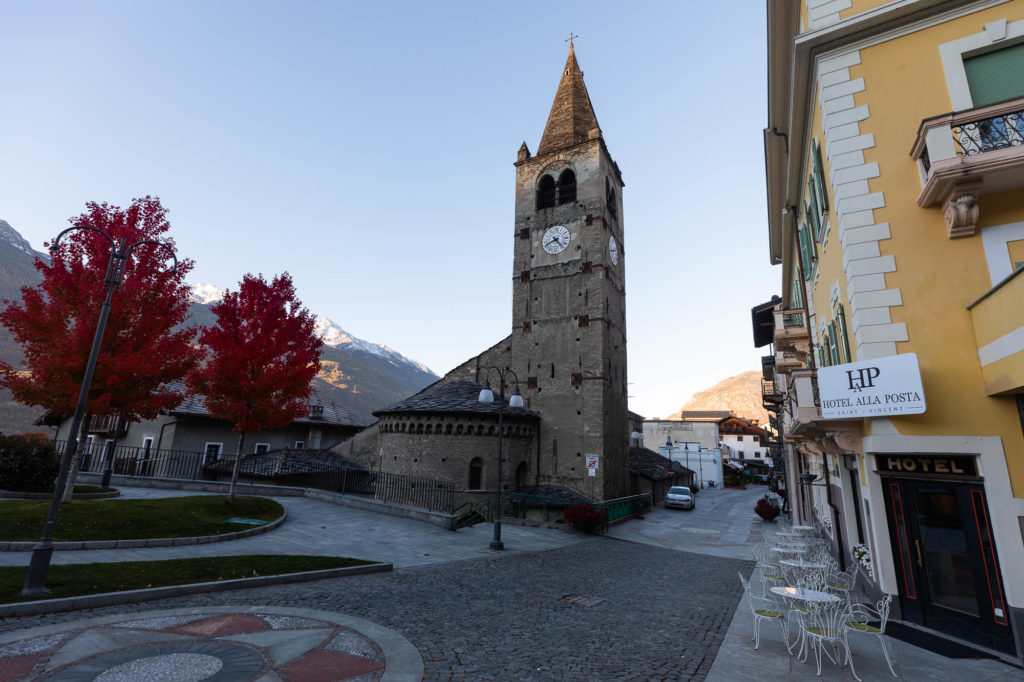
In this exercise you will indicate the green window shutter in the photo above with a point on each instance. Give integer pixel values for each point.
(821, 357)
(996, 76)
(819, 235)
(832, 344)
(843, 336)
(805, 251)
(797, 298)
(820, 174)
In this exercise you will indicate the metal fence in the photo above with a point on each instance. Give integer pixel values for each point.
(415, 491)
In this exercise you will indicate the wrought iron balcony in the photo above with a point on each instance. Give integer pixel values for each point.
(105, 424)
(966, 154)
(770, 393)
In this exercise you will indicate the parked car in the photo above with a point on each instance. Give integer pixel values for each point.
(680, 496)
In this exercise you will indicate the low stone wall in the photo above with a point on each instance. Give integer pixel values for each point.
(441, 519)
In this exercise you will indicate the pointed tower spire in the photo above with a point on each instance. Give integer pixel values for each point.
(572, 118)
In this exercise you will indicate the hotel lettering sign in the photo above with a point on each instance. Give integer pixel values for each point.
(958, 466)
(872, 388)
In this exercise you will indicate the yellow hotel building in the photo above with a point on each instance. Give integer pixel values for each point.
(894, 156)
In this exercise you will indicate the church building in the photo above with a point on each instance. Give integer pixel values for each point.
(567, 344)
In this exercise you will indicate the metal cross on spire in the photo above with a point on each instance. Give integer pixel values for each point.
(571, 37)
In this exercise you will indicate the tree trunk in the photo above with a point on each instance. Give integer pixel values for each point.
(69, 488)
(238, 465)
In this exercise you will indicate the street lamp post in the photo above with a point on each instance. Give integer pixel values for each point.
(35, 582)
(516, 400)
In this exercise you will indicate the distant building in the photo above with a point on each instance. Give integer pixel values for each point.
(743, 439)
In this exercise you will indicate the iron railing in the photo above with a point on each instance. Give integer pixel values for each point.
(415, 491)
(792, 320)
(770, 392)
(515, 505)
(625, 506)
(990, 134)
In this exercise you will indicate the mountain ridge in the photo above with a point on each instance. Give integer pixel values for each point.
(359, 375)
(739, 394)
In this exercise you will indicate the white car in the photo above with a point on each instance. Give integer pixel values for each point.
(680, 496)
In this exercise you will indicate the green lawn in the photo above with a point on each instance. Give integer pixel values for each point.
(72, 580)
(116, 519)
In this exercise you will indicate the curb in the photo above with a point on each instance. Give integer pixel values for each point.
(13, 495)
(19, 546)
(91, 601)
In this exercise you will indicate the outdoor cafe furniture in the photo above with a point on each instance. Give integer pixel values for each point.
(807, 530)
(824, 629)
(789, 550)
(801, 602)
(861, 618)
(764, 608)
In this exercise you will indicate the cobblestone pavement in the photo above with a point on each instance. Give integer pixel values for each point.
(600, 609)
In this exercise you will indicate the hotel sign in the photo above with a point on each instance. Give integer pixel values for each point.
(872, 388)
(932, 465)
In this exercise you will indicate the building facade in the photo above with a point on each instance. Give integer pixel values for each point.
(567, 346)
(895, 177)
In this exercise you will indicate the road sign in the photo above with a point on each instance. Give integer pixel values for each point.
(592, 461)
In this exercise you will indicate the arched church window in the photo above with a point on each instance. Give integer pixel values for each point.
(566, 187)
(609, 198)
(546, 192)
(476, 473)
(521, 472)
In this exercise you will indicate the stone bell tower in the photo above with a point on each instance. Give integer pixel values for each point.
(568, 340)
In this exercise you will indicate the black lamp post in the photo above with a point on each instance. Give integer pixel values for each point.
(35, 582)
(516, 400)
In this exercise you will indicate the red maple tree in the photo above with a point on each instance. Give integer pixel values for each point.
(145, 347)
(262, 356)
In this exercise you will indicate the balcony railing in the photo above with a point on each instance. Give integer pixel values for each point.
(989, 134)
(965, 154)
(770, 392)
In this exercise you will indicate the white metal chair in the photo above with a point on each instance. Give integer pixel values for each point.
(824, 631)
(861, 618)
(843, 582)
(764, 608)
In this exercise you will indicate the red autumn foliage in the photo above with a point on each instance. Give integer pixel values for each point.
(144, 347)
(261, 359)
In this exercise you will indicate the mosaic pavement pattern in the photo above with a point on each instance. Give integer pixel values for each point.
(248, 643)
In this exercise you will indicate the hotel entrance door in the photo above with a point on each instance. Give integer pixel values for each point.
(946, 560)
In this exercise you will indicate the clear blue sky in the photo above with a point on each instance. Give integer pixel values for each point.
(367, 148)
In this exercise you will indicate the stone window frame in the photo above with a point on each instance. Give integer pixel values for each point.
(997, 35)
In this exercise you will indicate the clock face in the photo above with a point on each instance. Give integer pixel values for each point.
(613, 250)
(556, 239)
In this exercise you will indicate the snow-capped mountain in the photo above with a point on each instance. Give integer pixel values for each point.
(11, 237)
(328, 330)
(333, 335)
(205, 293)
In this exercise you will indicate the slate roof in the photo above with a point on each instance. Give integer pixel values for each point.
(704, 415)
(572, 115)
(285, 462)
(651, 465)
(556, 492)
(460, 396)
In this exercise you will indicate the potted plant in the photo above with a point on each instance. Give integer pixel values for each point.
(584, 517)
(766, 508)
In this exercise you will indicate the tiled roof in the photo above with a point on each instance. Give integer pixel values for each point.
(704, 415)
(287, 462)
(555, 492)
(460, 396)
(572, 115)
(650, 464)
